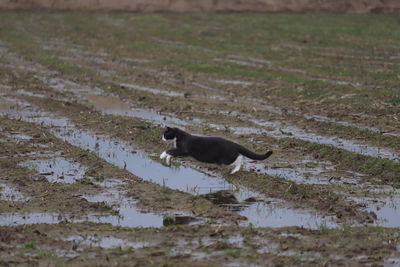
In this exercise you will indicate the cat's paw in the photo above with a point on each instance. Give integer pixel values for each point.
(234, 171)
(163, 155)
(167, 158)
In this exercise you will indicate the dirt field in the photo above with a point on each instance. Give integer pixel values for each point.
(353, 6)
(85, 99)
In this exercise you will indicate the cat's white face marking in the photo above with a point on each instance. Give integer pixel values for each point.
(163, 138)
(175, 142)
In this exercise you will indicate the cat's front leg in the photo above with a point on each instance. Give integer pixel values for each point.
(167, 155)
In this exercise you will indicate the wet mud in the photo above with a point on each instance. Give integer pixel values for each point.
(80, 141)
(138, 163)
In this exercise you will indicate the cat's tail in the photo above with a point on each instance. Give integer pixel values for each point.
(251, 155)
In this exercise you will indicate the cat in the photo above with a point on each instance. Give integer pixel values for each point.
(207, 149)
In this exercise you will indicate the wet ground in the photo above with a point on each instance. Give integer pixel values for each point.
(81, 118)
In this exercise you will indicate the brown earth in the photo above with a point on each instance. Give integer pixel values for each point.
(356, 6)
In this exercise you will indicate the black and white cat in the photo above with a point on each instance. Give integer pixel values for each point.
(207, 149)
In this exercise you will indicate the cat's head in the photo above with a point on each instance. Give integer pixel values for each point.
(170, 134)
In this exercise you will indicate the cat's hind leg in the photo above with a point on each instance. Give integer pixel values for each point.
(237, 163)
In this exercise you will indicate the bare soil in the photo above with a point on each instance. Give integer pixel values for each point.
(84, 99)
(359, 6)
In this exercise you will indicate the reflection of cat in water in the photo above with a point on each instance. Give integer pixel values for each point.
(207, 149)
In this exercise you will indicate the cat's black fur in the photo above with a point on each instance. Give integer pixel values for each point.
(207, 149)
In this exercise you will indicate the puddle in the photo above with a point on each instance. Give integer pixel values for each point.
(25, 68)
(63, 85)
(57, 169)
(14, 219)
(348, 124)
(257, 63)
(114, 106)
(137, 219)
(151, 90)
(314, 175)
(270, 212)
(120, 154)
(108, 183)
(181, 178)
(10, 193)
(106, 242)
(209, 88)
(18, 137)
(238, 62)
(27, 93)
(128, 215)
(304, 175)
(338, 82)
(275, 129)
(257, 60)
(279, 130)
(387, 209)
(274, 215)
(233, 82)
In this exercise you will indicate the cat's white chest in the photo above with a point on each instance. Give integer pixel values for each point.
(175, 145)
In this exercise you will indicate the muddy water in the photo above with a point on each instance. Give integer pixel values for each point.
(128, 215)
(270, 212)
(279, 130)
(315, 175)
(310, 175)
(110, 104)
(276, 129)
(68, 86)
(182, 178)
(151, 90)
(135, 219)
(305, 172)
(349, 124)
(114, 106)
(57, 169)
(10, 193)
(106, 242)
(387, 209)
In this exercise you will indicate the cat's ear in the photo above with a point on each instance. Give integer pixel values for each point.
(168, 128)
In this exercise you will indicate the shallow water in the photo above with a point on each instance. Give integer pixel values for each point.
(272, 128)
(128, 215)
(233, 82)
(279, 130)
(348, 124)
(304, 175)
(106, 242)
(136, 219)
(63, 85)
(57, 169)
(387, 209)
(182, 178)
(11, 193)
(151, 90)
(270, 212)
(114, 106)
